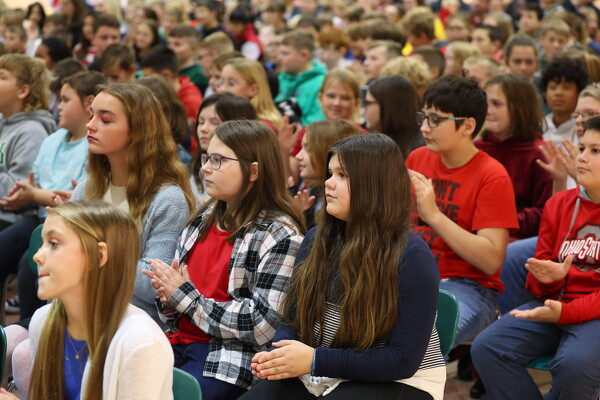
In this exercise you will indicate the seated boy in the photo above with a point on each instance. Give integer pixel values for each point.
(301, 77)
(377, 55)
(565, 317)
(465, 199)
(209, 49)
(209, 16)
(15, 39)
(25, 123)
(561, 83)
(488, 39)
(554, 36)
(117, 63)
(530, 20)
(184, 41)
(106, 31)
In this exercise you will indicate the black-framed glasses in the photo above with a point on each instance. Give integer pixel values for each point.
(215, 160)
(434, 120)
(367, 103)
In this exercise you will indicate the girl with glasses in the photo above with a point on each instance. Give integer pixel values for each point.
(215, 109)
(233, 263)
(359, 319)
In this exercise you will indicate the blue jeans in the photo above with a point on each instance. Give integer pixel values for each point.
(514, 274)
(502, 351)
(477, 307)
(191, 358)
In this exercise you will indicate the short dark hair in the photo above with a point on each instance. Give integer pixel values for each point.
(432, 56)
(57, 49)
(567, 69)
(106, 20)
(64, 69)
(592, 124)
(460, 96)
(493, 32)
(213, 5)
(241, 14)
(160, 58)
(534, 6)
(84, 83)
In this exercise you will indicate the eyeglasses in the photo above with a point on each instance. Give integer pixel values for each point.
(584, 115)
(367, 103)
(434, 120)
(215, 160)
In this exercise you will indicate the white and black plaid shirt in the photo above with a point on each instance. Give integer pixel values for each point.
(260, 273)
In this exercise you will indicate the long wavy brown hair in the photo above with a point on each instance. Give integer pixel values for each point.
(363, 253)
(252, 141)
(152, 160)
(107, 293)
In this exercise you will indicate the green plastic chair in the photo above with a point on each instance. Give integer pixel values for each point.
(185, 386)
(2, 353)
(35, 242)
(447, 320)
(541, 363)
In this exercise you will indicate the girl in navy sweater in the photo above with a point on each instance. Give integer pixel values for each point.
(359, 318)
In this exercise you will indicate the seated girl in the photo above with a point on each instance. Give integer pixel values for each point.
(359, 321)
(312, 162)
(90, 342)
(245, 239)
(564, 319)
(215, 109)
(132, 163)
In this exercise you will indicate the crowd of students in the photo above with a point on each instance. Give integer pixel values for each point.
(269, 195)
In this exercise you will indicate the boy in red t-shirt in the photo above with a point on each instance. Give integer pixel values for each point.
(465, 200)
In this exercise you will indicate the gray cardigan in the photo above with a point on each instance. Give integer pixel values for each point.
(162, 226)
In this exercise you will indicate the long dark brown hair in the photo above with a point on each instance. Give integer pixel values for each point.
(364, 252)
(398, 103)
(252, 141)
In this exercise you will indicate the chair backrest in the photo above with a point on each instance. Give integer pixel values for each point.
(447, 320)
(185, 386)
(35, 242)
(2, 353)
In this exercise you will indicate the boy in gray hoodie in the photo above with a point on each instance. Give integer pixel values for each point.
(24, 124)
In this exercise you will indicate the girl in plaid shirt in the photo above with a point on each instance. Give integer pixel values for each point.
(233, 263)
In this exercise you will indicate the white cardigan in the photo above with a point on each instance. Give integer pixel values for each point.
(139, 361)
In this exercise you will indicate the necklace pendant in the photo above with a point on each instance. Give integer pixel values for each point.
(77, 356)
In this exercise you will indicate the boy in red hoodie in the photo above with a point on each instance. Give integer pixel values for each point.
(565, 317)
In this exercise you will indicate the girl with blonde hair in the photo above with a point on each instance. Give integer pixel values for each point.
(90, 343)
(248, 79)
(133, 164)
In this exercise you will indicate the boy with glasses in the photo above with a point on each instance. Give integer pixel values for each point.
(465, 200)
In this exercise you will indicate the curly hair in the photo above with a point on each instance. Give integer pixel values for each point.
(567, 69)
